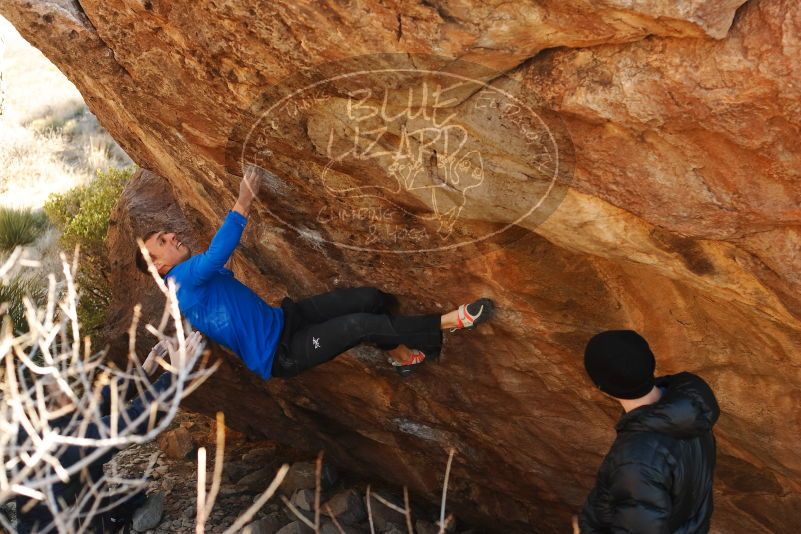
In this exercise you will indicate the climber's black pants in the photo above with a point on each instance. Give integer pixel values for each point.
(320, 328)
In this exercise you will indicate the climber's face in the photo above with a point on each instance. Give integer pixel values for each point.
(166, 251)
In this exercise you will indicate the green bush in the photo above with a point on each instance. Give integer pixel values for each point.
(20, 227)
(82, 215)
(12, 293)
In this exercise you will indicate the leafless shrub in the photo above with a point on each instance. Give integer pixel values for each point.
(406, 510)
(52, 404)
(206, 504)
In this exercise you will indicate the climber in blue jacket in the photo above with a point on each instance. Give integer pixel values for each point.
(284, 341)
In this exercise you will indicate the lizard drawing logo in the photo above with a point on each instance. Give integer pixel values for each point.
(425, 156)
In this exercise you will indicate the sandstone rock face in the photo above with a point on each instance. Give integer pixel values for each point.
(637, 165)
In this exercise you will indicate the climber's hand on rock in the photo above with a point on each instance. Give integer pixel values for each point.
(248, 189)
(251, 181)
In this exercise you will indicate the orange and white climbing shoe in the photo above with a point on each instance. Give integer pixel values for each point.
(416, 357)
(473, 314)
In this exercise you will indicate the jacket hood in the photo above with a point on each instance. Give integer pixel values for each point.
(687, 409)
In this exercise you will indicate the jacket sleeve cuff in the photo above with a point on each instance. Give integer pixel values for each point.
(238, 218)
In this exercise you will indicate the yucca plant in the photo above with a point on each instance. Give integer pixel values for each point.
(13, 291)
(20, 227)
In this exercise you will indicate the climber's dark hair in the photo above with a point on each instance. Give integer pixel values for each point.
(141, 263)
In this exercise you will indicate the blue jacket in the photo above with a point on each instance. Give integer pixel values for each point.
(222, 307)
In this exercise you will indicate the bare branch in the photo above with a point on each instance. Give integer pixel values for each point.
(297, 512)
(63, 409)
(370, 511)
(201, 490)
(388, 504)
(334, 519)
(317, 475)
(256, 506)
(219, 456)
(442, 524)
(407, 512)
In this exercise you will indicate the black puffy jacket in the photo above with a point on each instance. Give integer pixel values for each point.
(657, 477)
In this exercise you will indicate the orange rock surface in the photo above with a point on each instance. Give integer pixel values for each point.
(652, 183)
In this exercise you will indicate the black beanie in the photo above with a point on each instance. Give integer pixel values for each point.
(621, 363)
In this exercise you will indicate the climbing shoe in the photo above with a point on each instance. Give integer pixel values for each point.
(473, 314)
(417, 357)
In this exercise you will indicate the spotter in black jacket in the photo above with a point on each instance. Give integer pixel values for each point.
(657, 477)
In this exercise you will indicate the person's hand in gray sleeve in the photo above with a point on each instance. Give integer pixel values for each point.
(161, 351)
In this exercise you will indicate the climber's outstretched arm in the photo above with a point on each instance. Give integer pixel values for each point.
(204, 266)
